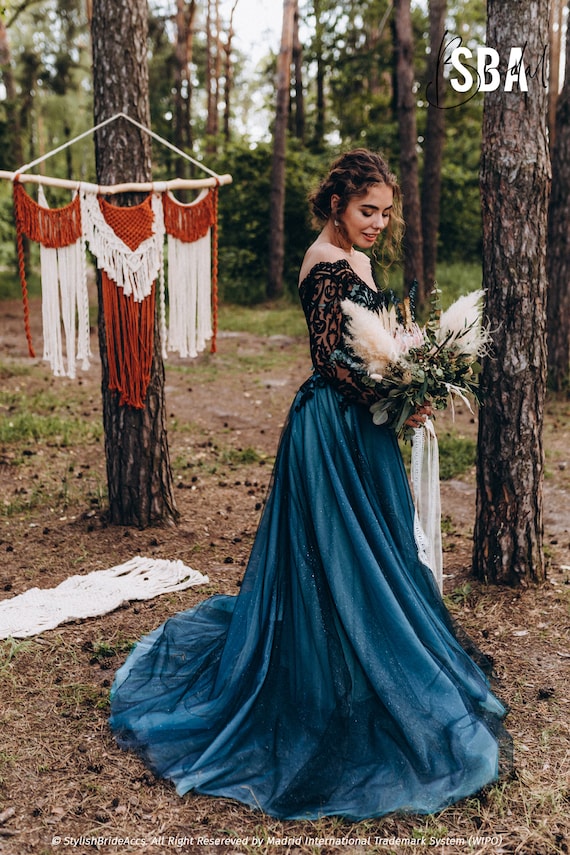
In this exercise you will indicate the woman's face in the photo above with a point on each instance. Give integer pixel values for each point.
(366, 216)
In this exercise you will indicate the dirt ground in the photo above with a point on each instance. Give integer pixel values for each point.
(63, 781)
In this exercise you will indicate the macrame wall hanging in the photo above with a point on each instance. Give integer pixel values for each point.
(128, 246)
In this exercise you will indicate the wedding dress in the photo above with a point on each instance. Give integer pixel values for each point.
(334, 682)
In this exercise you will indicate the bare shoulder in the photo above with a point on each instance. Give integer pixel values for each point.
(319, 253)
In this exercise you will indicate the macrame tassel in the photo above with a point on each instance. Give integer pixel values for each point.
(189, 271)
(128, 244)
(189, 323)
(129, 330)
(64, 300)
(52, 229)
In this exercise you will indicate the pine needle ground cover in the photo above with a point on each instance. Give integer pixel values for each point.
(62, 778)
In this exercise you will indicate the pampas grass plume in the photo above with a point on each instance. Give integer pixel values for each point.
(370, 340)
(462, 320)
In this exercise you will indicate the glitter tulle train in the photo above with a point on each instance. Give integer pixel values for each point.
(334, 683)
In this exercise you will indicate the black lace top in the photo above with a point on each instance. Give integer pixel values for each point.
(323, 289)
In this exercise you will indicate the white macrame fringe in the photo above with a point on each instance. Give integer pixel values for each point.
(97, 593)
(132, 270)
(64, 301)
(189, 291)
(424, 476)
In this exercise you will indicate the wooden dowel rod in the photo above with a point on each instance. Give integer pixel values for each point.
(144, 187)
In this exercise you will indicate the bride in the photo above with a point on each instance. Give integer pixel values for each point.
(334, 683)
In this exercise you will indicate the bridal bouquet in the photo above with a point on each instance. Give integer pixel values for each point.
(415, 365)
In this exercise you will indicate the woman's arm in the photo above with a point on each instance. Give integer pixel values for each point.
(321, 295)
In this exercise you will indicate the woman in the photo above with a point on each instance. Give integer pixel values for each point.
(333, 683)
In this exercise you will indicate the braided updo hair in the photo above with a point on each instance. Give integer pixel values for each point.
(351, 176)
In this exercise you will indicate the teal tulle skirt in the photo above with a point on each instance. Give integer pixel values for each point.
(334, 682)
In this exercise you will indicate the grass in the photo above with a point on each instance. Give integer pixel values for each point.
(457, 455)
(281, 318)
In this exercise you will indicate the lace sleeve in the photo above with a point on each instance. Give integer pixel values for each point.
(321, 293)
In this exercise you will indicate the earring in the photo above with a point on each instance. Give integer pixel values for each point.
(336, 224)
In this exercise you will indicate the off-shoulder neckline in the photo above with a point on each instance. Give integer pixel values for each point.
(340, 262)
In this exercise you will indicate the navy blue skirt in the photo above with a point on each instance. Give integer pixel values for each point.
(334, 682)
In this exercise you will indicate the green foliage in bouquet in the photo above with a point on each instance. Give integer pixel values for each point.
(412, 367)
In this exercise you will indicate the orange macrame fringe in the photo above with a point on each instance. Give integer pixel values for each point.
(129, 331)
(191, 222)
(52, 227)
(129, 324)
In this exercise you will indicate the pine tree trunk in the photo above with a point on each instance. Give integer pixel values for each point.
(408, 136)
(182, 83)
(558, 257)
(138, 466)
(299, 92)
(277, 190)
(435, 138)
(228, 73)
(319, 132)
(515, 170)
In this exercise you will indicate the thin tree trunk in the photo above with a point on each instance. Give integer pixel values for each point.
(277, 189)
(209, 70)
(318, 142)
(299, 93)
(138, 466)
(228, 74)
(558, 257)
(182, 84)
(515, 172)
(408, 136)
(433, 151)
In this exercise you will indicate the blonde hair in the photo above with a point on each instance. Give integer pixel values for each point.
(350, 176)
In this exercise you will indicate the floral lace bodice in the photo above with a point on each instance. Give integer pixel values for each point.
(323, 289)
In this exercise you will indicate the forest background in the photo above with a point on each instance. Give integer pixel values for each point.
(217, 104)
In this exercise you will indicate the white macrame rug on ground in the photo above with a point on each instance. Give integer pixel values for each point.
(97, 593)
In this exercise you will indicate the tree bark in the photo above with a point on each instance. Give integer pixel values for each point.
(515, 173)
(558, 257)
(277, 189)
(320, 118)
(299, 92)
(138, 465)
(228, 73)
(182, 83)
(408, 136)
(555, 41)
(435, 138)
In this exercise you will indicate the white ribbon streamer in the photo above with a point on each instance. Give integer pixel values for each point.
(424, 476)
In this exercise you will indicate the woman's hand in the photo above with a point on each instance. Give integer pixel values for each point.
(419, 417)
